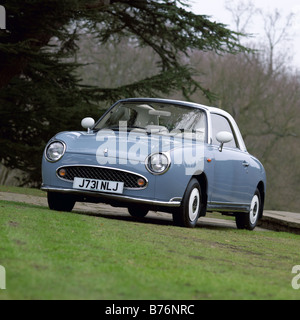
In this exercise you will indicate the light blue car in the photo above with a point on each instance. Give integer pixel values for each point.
(161, 155)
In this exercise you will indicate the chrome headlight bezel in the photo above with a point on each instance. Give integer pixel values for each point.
(158, 163)
(61, 152)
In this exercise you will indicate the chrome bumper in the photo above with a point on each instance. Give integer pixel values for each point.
(174, 202)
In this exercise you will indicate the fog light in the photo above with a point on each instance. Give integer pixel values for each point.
(62, 172)
(141, 182)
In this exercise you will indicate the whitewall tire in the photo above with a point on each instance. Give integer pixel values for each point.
(188, 213)
(249, 220)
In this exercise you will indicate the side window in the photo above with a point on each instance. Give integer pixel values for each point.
(220, 123)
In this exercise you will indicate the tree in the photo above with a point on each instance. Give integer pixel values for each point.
(40, 90)
(277, 34)
(242, 14)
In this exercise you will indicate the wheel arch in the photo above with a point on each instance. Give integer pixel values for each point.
(261, 189)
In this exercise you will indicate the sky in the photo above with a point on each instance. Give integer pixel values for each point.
(216, 9)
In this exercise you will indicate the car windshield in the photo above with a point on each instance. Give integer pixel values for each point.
(159, 118)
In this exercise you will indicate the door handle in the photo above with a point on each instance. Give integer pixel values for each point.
(246, 164)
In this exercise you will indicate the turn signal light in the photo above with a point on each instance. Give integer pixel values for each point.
(62, 172)
(141, 182)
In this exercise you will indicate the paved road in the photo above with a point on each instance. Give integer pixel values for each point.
(108, 211)
(281, 221)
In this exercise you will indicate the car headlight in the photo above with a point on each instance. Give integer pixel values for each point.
(158, 163)
(55, 150)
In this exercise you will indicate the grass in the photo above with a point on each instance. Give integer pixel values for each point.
(20, 190)
(51, 255)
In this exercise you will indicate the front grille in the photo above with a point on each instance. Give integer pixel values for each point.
(129, 179)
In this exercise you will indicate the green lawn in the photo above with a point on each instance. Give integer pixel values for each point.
(29, 191)
(51, 255)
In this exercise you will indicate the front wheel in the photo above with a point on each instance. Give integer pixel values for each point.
(249, 220)
(188, 213)
(60, 201)
(137, 211)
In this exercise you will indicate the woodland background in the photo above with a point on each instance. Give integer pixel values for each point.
(259, 88)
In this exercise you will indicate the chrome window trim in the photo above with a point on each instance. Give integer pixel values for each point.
(234, 126)
(235, 137)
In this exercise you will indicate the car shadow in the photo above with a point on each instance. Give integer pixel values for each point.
(155, 219)
(124, 217)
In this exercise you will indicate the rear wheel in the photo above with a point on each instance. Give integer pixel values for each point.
(60, 201)
(137, 211)
(188, 213)
(249, 220)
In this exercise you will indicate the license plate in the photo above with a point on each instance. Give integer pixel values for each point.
(98, 185)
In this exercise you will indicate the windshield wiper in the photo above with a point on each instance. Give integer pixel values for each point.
(118, 128)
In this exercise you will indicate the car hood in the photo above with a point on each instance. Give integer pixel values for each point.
(124, 145)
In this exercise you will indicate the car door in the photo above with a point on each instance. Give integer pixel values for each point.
(230, 185)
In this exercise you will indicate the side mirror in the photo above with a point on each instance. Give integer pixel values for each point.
(223, 137)
(88, 123)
